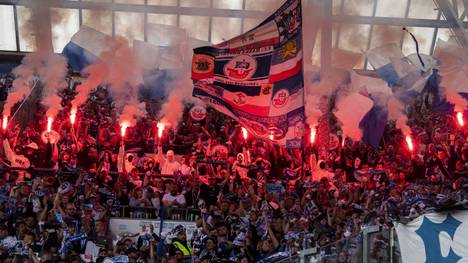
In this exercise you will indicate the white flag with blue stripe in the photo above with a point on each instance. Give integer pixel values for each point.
(435, 238)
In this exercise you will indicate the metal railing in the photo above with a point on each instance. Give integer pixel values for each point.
(168, 213)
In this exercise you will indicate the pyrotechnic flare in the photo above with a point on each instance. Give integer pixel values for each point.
(409, 142)
(49, 123)
(460, 120)
(244, 133)
(73, 116)
(313, 134)
(343, 141)
(123, 128)
(161, 127)
(271, 136)
(5, 122)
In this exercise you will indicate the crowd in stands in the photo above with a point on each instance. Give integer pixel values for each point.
(257, 202)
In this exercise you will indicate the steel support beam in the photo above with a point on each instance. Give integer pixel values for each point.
(139, 8)
(394, 21)
(197, 11)
(450, 15)
(326, 42)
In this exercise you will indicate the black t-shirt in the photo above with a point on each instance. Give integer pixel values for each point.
(209, 193)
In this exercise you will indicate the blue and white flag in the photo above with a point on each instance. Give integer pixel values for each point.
(85, 47)
(435, 238)
(396, 69)
(257, 77)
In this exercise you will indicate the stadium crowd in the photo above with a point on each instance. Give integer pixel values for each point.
(257, 202)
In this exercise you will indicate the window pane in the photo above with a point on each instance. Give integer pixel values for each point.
(7, 28)
(359, 7)
(197, 3)
(162, 2)
(316, 52)
(27, 41)
(99, 20)
(228, 4)
(250, 23)
(382, 35)
(101, 1)
(166, 35)
(444, 33)
(162, 19)
(196, 26)
(353, 37)
(391, 8)
(262, 5)
(130, 1)
(129, 25)
(423, 35)
(423, 9)
(65, 23)
(337, 6)
(224, 28)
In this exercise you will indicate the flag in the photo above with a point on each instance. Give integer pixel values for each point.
(373, 125)
(392, 66)
(84, 48)
(434, 238)
(257, 77)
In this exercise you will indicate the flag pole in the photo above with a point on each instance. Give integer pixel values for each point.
(303, 103)
(24, 100)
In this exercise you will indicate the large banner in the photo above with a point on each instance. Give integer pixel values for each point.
(118, 226)
(257, 77)
(435, 238)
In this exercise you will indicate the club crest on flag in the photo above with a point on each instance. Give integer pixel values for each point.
(241, 67)
(281, 98)
(266, 89)
(289, 49)
(202, 66)
(288, 22)
(240, 99)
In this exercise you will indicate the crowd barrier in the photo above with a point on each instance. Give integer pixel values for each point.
(180, 214)
(373, 244)
(42, 171)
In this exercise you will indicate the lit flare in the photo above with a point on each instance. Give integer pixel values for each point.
(73, 116)
(409, 142)
(313, 135)
(123, 128)
(271, 136)
(244, 133)
(460, 119)
(49, 123)
(5, 122)
(161, 127)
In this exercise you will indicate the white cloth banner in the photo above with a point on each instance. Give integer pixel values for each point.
(119, 225)
(435, 238)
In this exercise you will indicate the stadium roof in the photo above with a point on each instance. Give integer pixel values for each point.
(355, 25)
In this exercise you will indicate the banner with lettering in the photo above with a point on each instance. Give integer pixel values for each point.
(257, 77)
(435, 238)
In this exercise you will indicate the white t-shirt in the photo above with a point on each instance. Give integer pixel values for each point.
(170, 198)
(186, 170)
(169, 168)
